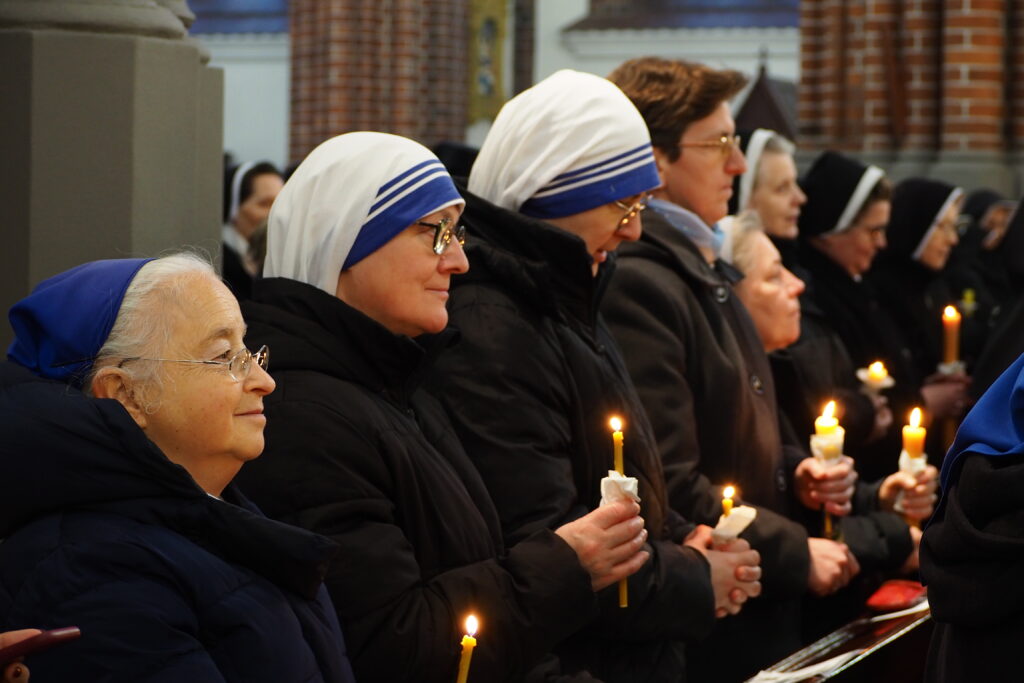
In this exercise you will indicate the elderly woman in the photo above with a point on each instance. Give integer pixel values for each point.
(559, 184)
(128, 406)
(879, 540)
(363, 243)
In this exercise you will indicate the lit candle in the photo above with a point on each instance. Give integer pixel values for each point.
(727, 495)
(951, 337)
(826, 423)
(913, 435)
(616, 424)
(877, 372)
(468, 643)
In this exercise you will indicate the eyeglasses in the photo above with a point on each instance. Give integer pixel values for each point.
(632, 209)
(444, 232)
(725, 144)
(238, 365)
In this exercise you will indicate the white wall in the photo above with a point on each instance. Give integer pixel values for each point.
(257, 88)
(601, 51)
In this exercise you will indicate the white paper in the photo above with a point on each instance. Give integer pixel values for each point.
(616, 487)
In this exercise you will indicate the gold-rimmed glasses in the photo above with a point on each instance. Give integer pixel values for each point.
(445, 230)
(632, 209)
(725, 144)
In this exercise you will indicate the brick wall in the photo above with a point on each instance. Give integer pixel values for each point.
(884, 76)
(396, 66)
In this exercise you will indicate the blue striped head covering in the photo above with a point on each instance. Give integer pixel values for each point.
(347, 199)
(61, 326)
(569, 144)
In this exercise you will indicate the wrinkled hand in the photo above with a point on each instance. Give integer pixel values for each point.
(608, 542)
(16, 672)
(945, 396)
(832, 566)
(913, 561)
(883, 417)
(735, 570)
(918, 492)
(832, 487)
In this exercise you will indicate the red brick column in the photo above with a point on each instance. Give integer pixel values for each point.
(973, 75)
(810, 102)
(396, 67)
(1015, 75)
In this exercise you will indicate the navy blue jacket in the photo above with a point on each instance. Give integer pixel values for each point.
(166, 582)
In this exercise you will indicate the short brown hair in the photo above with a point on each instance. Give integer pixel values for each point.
(673, 93)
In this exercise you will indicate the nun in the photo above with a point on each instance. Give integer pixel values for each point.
(128, 405)
(363, 244)
(972, 552)
(249, 192)
(560, 182)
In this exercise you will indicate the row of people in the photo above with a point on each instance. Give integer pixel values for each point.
(432, 470)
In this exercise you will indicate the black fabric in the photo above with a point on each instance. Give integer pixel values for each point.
(829, 185)
(916, 203)
(357, 452)
(972, 554)
(703, 377)
(531, 387)
(234, 273)
(166, 583)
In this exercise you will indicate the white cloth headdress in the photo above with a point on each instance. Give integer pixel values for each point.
(347, 199)
(570, 143)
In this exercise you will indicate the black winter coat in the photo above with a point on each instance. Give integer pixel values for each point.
(972, 556)
(166, 582)
(704, 378)
(531, 387)
(356, 452)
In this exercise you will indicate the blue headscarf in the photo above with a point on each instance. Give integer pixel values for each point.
(995, 426)
(61, 326)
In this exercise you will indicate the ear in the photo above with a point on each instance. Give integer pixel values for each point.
(662, 161)
(112, 383)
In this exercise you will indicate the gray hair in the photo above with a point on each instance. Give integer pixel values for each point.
(741, 232)
(140, 329)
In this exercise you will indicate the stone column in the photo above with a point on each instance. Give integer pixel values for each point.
(111, 131)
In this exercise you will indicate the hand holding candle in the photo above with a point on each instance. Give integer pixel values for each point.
(468, 643)
(875, 378)
(827, 448)
(620, 468)
(734, 520)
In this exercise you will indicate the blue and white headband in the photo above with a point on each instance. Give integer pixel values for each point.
(347, 199)
(569, 144)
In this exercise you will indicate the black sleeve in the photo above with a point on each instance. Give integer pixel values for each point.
(403, 620)
(506, 389)
(657, 348)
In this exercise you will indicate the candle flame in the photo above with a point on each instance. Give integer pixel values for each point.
(616, 424)
(830, 410)
(728, 492)
(950, 313)
(471, 625)
(915, 417)
(877, 368)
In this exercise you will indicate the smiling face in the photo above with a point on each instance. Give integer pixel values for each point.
(777, 197)
(205, 420)
(404, 285)
(700, 179)
(770, 292)
(942, 240)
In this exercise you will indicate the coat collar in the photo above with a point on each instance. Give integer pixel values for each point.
(308, 329)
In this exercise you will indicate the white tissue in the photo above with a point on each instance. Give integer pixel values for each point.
(729, 528)
(616, 487)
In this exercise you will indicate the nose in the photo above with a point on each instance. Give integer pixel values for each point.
(800, 197)
(453, 260)
(796, 285)
(880, 241)
(630, 232)
(736, 164)
(259, 380)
